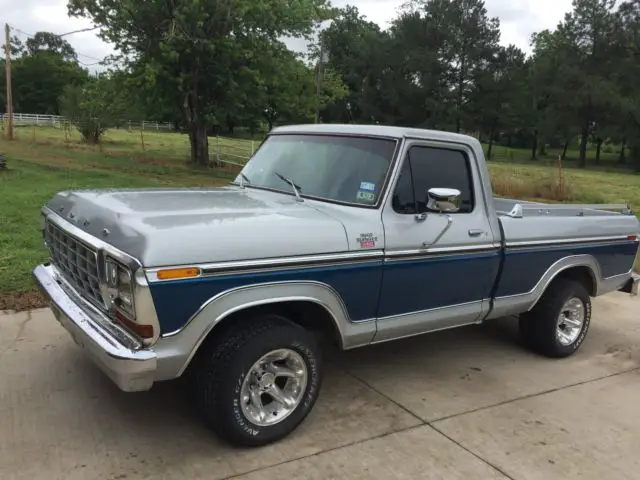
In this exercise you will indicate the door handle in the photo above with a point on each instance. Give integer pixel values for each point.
(475, 232)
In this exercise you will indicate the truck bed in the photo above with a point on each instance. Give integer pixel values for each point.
(520, 208)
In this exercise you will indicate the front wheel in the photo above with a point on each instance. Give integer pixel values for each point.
(558, 324)
(259, 380)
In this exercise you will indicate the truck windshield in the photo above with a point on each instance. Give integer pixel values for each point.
(330, 167)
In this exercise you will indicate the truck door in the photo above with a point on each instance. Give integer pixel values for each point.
(439, 268)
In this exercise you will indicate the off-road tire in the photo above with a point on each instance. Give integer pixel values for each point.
(538, 326)
(218, 373)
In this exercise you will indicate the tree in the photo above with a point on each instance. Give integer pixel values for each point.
(552, 103)
(52, 43)
(589, 32)
(200, 53)
(101, 103)
(440, 49)
(497, 87)
(628, 71)
(288, 92)
(40, 71)
(355, 49)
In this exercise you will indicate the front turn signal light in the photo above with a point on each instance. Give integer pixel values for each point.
(178, 273)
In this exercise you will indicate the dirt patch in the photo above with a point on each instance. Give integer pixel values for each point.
(19, 301)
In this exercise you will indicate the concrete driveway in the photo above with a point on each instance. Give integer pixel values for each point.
(463, 404)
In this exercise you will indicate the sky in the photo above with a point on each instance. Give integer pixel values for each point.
(518, 20)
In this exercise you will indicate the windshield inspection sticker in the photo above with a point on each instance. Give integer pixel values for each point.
(367, 240)
(368, 186)
(368, 196)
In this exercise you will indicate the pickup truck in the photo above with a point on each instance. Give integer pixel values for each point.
(352, 233)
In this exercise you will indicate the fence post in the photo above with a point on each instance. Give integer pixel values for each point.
(142, 136)
(33, 130)
(252, 150)
(217, 149)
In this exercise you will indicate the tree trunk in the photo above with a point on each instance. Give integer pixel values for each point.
(584, 134)
(635, 157)
(199, 143)
(463, 66)
(491, 135)
(542, 149)
(598, 150)
(564, 150)
(622, 159)
(534, 148)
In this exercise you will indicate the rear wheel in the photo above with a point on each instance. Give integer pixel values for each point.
(258, 381)
(559, 322)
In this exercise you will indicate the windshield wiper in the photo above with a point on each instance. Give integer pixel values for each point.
(296, 188)
(243, 178)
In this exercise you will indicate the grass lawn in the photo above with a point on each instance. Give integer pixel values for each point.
(53, 162)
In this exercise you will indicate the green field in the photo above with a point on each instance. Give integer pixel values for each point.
(38, 169)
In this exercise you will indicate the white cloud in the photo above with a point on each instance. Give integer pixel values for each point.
(518, 18)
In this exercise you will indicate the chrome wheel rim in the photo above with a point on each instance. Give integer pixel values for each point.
(570, 321)
(274, 386)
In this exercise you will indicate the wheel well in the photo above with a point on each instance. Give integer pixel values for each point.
(309, 315)
(582, 275)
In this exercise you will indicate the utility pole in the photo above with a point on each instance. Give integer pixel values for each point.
(318, 82)
(7, 69)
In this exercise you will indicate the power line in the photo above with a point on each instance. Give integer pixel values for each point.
(97, 60)
(90, 57)
(89, 29)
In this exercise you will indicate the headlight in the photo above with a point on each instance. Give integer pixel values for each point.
(120, 284)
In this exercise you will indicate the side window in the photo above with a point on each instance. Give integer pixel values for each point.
(431, 167)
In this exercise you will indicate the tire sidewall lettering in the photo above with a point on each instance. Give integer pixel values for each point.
(585, 326)
(312, 386)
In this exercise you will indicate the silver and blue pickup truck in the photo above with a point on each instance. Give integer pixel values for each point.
(356, 234)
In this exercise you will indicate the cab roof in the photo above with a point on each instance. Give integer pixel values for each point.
(375, 130)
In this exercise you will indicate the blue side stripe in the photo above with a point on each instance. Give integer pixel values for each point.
(371, 288)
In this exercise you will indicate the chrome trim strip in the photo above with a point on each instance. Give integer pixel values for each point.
(396, 255)
(262, 285)
(570, 241)
(308, 261)
(429, 310)
(250, 266)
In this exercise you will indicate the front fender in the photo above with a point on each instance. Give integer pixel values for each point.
(175, 350)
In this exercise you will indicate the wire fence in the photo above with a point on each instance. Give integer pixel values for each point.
(58, 121)
(152, 140)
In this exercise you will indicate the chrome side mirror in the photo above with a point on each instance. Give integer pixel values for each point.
(443, 200)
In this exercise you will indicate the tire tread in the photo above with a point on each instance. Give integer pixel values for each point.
(537, 327)
(210, 368)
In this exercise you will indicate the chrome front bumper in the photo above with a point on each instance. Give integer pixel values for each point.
(117, 353)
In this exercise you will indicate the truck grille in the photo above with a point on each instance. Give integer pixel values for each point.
(76, 261)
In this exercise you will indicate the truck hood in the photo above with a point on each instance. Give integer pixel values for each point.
(185, 226)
